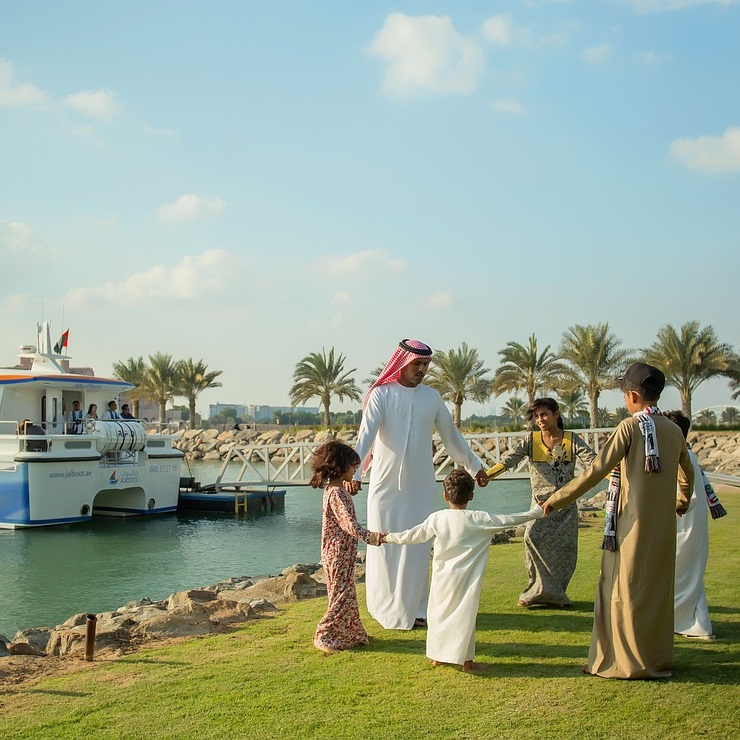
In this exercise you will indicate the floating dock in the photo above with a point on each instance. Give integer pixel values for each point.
(239, 500)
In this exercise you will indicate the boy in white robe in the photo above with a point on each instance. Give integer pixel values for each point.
(461, 542)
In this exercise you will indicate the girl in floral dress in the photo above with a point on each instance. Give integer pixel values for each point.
(340, 628)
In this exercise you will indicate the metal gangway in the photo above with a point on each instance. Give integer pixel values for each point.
(290, 464)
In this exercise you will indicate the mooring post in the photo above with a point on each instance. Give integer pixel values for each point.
(90, 626)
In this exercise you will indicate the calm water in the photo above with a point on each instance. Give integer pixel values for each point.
(51, 573)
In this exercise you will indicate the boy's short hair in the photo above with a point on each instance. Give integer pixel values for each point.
(683, 422)
(459, 486)
(644, 379)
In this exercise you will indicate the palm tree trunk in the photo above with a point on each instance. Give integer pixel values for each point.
(137, 408)
(457, 413)
(594, 408)
(327, 417)
(191, 410)
(686, 405)
(162, 410)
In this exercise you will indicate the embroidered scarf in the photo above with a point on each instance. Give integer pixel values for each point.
(652, 465)
(715, 507)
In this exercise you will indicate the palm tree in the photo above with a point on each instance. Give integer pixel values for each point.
(689, 357)
(572, 403)
(706, 417)
(459, 375)
(524, 369)
(730, 415)
(514, 408)
(193, 378)
(134, 371)
(594, 361)
(319, 376)
(161, 381)
(604, 417)
(374, 375)
(621, 413)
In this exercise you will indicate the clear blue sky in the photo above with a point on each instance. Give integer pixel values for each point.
(250, 182)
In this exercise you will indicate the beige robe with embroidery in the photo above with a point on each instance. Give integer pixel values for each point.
(633, 613)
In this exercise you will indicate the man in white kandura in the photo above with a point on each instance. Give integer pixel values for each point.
(398, 420)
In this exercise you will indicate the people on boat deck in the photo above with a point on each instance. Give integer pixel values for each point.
(75, 419)
(125, 413)
(92, 411)
(111, 413)
(28, 428)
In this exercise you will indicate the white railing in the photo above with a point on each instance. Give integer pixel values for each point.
(290, 464)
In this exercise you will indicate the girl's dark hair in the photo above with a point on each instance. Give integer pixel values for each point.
(682, 421)
(548, 403)
(331, 461)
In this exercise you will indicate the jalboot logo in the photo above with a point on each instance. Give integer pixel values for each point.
(113, 478)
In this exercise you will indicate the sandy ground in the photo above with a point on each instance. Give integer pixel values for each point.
(19, 671)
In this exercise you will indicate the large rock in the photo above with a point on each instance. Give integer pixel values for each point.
(281, 589)
(182, 621)
(23, 648)
(37, 638)
(188, 598)
(112, 631)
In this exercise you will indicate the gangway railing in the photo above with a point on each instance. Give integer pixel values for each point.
(290, 463)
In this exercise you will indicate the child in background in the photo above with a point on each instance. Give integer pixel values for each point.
(340, 628)
(690, 611)
(461, 543)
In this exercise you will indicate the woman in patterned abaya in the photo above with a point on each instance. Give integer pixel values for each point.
(340, 628)
(551, 544)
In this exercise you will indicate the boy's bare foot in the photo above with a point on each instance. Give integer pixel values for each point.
(436, 663)
(470, 666)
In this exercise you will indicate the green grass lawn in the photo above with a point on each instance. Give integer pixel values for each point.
(267, 681)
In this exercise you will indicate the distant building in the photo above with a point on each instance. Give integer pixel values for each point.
(270, 413)
(215, 409)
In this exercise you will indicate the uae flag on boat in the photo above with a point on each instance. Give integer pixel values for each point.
(62, 343)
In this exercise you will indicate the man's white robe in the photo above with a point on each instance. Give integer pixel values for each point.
(462, 540)
(690, 611)
(397, 425)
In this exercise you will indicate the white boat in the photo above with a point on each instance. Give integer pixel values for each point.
(55, 476)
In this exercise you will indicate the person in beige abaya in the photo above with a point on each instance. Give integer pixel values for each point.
(632, 635)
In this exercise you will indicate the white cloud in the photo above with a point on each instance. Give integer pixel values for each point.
(511, 107)
(502, 31)
(365, 264)
(189, 207)
(650, 58)
(14, 95)
(426, 54)
(204, 274)
(341, 297)
(657, 6)
(160, 133)
(18, 240)
(437, 301)
(100, 104)
(597, 54)
(709, 153)
(24, 255)
(497, 30)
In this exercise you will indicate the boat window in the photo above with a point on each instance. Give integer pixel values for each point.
(77, 445)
